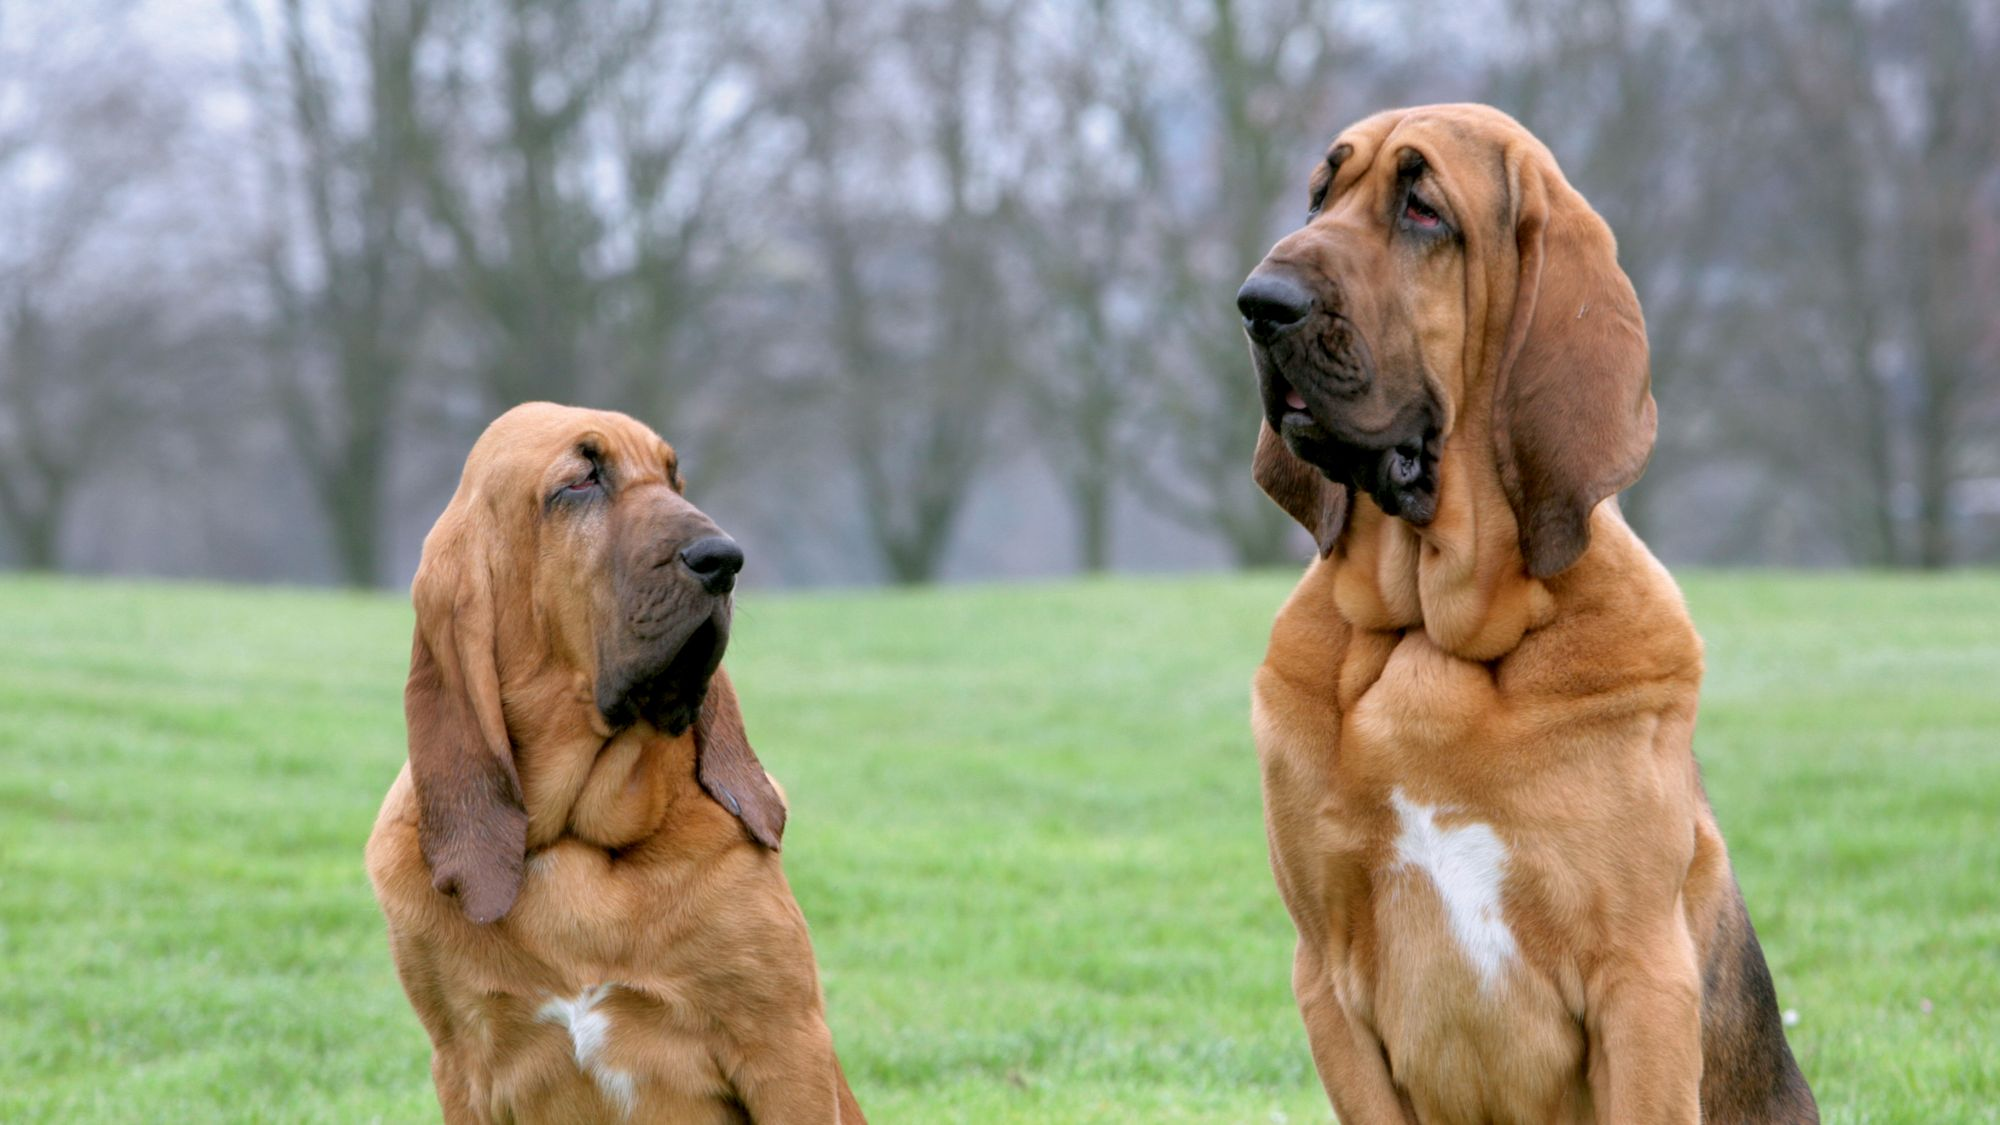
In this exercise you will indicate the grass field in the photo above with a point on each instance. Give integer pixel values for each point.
(1025, 829)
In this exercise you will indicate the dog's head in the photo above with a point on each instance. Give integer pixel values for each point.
(568, 580)
(1447, 277)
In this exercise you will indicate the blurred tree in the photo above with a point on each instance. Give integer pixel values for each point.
(503, 155)
(579, 169)
(683, 131)
(340, 259)
(86, 119)
(1093, 290)
(1876, 135)
(835, 251)
(920, 328)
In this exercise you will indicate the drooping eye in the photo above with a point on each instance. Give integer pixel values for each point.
(1420, 214)
(1318, 198)
(587, 480)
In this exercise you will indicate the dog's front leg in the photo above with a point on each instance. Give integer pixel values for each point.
(1644, 1022)
(1349, 1059)
(795, 1079)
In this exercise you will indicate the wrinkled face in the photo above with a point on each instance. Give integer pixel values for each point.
(1358, 320)
(631, 582)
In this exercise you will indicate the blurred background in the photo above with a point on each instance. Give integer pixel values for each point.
(936, 289)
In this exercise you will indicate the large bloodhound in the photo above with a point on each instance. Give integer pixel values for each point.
(1512, 900)
(579, 864)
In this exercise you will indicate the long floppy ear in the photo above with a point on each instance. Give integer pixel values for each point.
(471, 823)
(729, 770)
(1573, 414)
(1302, 491)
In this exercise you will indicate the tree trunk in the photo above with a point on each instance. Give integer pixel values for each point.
(1264, 540)
(1090, 499)
(33, 516)
(355, 543)
(354, 514)
(914, 560)
(38, 536)
(1934, 462)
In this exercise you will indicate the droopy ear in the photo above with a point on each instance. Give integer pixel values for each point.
(1573, 415)
(728, 769)
(1301, 490)
(471, 823)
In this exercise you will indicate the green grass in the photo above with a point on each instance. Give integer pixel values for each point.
(1025, 829)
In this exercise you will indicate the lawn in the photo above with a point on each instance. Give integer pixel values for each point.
(1025, 829)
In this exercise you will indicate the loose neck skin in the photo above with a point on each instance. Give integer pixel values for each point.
(578, 779)
(1462, 579)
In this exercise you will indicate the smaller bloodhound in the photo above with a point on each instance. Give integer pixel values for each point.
(1475, 715)
(579, 863)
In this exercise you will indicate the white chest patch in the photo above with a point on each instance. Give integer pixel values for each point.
(1467, 864)
(588, 1029)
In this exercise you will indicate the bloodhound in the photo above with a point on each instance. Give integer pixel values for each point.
(579, 863)
(1474, 716)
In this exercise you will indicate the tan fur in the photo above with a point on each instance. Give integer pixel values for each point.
(632, 879)
(1540, 682)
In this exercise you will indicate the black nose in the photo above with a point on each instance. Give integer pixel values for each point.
(715, 561)
(1272, 303)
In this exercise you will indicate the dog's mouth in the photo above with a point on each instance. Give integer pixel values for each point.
(1396, 466)
(665, 688)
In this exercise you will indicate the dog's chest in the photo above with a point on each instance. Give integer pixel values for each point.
(1413, 852)
(602, 1051)
(1472, 1030)
(602, 1018)
(587, 1018)
(1439, 860)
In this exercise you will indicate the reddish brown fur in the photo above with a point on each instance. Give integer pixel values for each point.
(1520, 662)
(565, 855)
